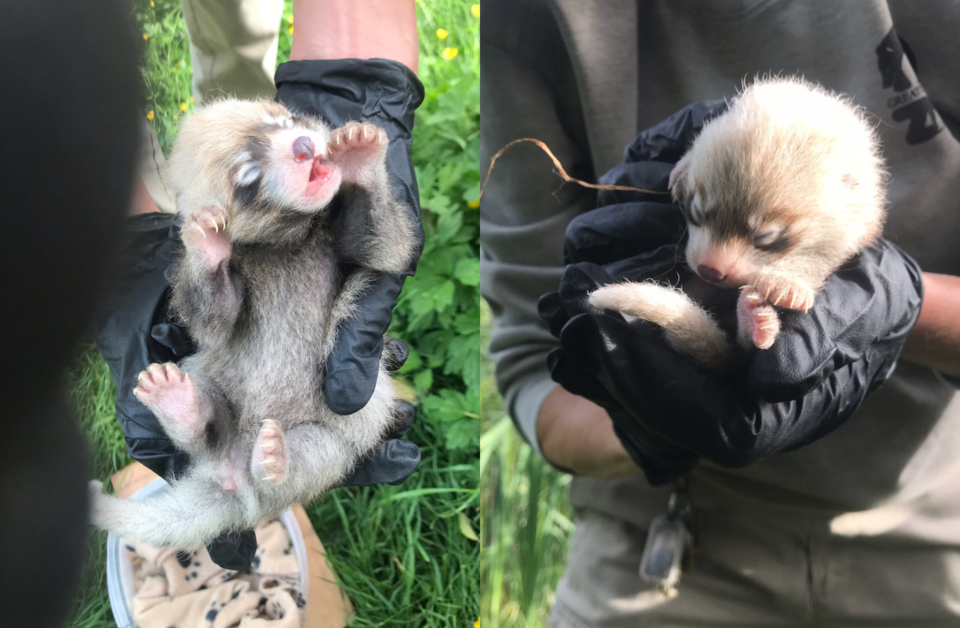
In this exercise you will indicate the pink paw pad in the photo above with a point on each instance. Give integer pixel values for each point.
(270, 454)
(205, 230)
(758, 319)
(357, 148)
(169, 392)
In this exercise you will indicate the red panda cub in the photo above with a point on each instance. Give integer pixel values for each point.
(777, 192)
(274, 207)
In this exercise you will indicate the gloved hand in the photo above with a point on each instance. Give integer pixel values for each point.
(385, 93)
(822, 366)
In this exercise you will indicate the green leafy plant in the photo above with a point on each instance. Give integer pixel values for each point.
(527, 520)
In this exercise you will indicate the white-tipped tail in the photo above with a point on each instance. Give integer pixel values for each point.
(190, 511)
(687, 327)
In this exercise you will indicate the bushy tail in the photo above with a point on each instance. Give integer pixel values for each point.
(687, 327)
(190, 511)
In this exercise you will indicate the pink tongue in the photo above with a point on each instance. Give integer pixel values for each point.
(321, 170)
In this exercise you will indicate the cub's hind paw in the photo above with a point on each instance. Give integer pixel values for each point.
(357, 148)
(757, 322)
(270, 454)
(171, 395)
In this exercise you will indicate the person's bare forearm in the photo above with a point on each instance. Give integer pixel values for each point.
(142, 202)
(355, 29)
(935, 339)
(577, 435)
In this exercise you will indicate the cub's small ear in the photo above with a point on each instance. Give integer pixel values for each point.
(678, 183)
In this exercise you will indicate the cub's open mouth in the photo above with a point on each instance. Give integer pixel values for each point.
(321, 172)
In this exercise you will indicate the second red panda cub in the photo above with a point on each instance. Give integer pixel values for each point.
(778, 192)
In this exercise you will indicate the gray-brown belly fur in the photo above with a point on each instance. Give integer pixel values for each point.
(271, 367)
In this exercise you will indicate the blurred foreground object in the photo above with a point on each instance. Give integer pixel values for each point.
(68, 137)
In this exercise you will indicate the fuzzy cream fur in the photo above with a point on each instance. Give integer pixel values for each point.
(778, 192)
(272, 204)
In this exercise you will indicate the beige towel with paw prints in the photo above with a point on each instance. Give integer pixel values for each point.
(253, 600)
(185, 589)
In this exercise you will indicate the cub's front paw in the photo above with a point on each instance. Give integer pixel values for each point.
(205, 230)
(358, 148)
(270, 454)
(784, 292)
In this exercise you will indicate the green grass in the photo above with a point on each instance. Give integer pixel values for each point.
(527, 520)
(407, 555)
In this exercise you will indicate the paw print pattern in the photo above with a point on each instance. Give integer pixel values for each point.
(184, 558)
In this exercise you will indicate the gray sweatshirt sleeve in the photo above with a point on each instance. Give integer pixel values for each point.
(527, 90)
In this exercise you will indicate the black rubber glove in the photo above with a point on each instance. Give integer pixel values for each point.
(820, 369)
(385, 93)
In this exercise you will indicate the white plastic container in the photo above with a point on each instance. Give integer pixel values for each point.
(120, 571)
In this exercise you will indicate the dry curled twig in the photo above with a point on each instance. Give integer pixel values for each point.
(563, 173)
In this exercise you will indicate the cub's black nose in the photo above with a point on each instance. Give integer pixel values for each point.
(303, 149)
(710, 274)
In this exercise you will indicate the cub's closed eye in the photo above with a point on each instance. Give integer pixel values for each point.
(248, 173)
(772, 240)
(692, 212)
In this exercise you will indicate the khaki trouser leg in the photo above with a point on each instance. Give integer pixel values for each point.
(153, 168)
(233, 46)
(233, 51)
(772, 567)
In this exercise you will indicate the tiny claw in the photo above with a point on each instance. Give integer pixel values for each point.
(767, 327)
(793, 302)
(766, 296)
(202, 232)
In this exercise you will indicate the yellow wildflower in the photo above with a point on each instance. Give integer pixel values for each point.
(441, 33)
(149, 97)
(183, 106)
(476, 624)
(290, 20)
(290, 30)
(475, 9)
(150, 115)
(151, 2)
(449, 53)
(474, 204)
(191, 100)
(145, 37)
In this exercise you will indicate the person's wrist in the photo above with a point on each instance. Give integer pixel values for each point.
(577, 435)
(356, 29)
